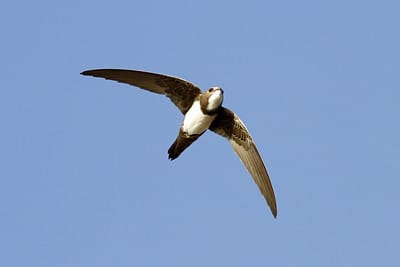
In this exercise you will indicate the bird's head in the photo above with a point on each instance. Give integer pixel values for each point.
(211, 100)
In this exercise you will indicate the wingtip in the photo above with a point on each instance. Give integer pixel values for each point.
(274, 210)
(92, 72)
(274, 213)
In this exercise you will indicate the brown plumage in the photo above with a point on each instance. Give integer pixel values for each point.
(182, 141)
(182, 93)
(213, 116)
(229, 125)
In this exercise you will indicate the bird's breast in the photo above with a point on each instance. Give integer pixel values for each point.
(195, 121)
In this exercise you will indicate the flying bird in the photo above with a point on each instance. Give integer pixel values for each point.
(202, 111)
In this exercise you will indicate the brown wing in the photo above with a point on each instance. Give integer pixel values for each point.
(229, 125)
(182, 93)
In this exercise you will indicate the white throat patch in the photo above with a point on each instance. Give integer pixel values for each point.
(215, 100)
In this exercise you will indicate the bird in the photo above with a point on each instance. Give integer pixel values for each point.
(202, 111)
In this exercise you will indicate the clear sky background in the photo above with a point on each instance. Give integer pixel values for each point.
(85, 179)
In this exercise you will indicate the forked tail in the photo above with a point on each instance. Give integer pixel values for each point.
(182, 141)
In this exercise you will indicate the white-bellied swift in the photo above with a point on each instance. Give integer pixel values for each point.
(202, 111)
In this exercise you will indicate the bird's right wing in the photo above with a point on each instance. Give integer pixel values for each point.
(182, 93)
(229, 125)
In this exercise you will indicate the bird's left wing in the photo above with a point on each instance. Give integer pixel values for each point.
(181, 92)
(229, 125)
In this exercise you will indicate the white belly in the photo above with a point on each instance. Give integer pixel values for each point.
(195, 122)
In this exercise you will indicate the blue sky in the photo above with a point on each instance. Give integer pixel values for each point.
(85, 179)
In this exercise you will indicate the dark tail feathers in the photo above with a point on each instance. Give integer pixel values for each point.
(181, 143)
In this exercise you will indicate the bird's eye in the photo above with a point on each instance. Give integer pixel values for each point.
(210, 90)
